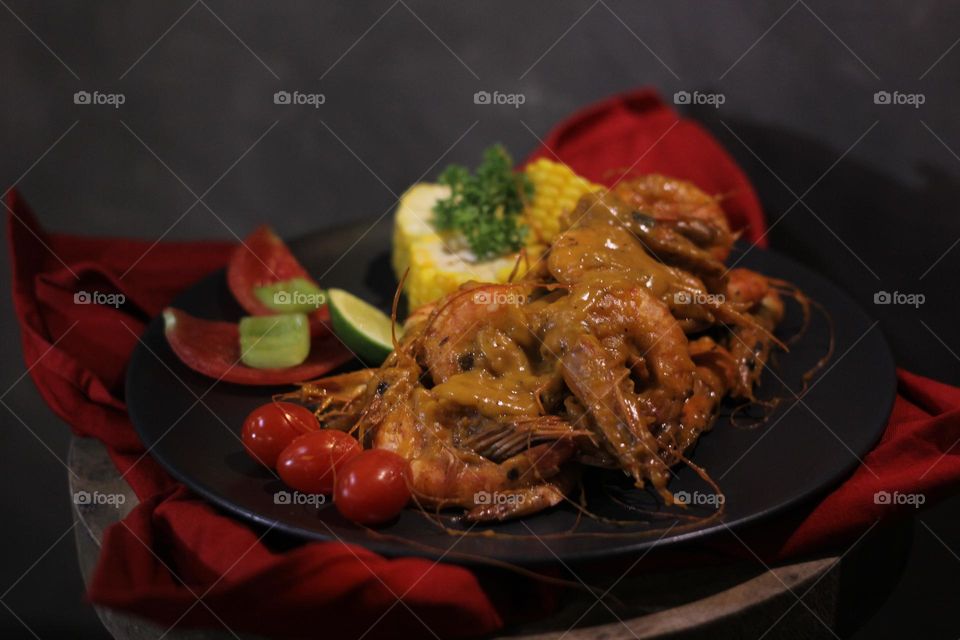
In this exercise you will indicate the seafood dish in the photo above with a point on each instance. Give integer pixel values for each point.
(612, 340)
(614, 351)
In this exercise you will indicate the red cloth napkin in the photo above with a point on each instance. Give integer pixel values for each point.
(175, 558)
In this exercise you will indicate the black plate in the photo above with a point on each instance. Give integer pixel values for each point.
(804, 450)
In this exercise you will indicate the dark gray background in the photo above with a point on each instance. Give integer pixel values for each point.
(399, 79)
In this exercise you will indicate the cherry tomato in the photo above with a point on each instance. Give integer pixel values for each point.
(312, 462)
(271, 427)
(372, 487)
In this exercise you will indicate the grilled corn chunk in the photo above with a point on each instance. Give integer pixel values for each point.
(439, 262)
(556, 190)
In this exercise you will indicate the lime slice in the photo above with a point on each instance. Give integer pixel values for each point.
(274, 342)
(362, 327)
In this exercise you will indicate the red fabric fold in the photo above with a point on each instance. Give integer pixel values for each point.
(175, 558)
(915, 455)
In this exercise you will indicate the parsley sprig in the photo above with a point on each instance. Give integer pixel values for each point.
(485, 206)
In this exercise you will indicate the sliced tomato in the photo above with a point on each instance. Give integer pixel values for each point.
(213, 349)
(264, 259)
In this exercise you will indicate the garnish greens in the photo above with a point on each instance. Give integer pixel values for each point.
(485, 206)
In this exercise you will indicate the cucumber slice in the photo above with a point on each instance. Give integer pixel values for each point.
(361, 326)
(296, 295)
(274, 342)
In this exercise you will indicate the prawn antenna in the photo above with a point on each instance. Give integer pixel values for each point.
(522, 255)
(393, 310)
